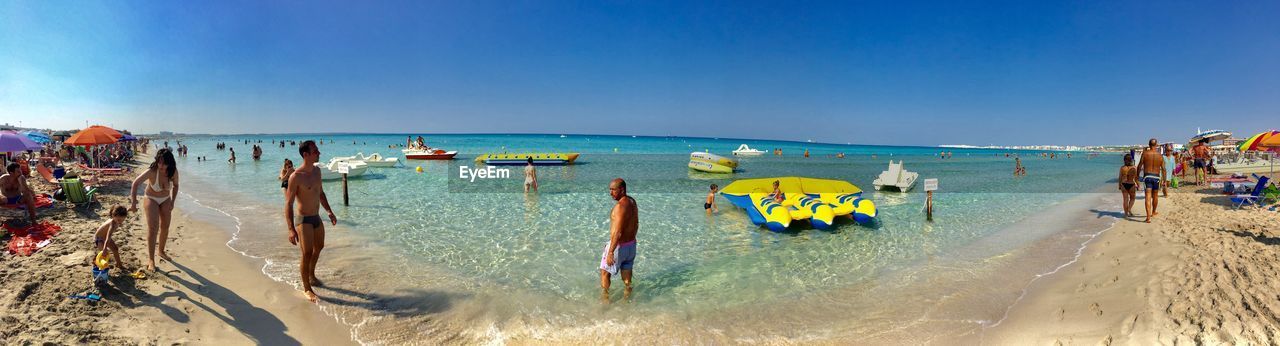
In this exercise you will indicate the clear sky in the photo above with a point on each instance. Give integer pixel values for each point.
(946, 72)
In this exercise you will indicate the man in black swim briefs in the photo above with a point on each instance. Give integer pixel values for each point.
(305, 189)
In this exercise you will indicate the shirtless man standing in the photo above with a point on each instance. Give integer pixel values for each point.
(1200, 153)
(14, 190)
(306, 189)
(1152, 170)
(620, 254)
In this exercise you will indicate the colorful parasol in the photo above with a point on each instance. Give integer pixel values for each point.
(38, 137)
(94, 135)
(1256, 142)
(13, 142)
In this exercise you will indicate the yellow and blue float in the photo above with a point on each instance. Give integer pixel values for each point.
(539, 159)
(711, 163)
(818, 200)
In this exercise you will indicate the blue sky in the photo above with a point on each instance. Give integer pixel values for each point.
(926, 73)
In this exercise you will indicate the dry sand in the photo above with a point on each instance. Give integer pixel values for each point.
(1202, 272)
(209, 294)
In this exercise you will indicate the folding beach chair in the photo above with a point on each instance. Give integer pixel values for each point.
(76, 193)
(1253, 198)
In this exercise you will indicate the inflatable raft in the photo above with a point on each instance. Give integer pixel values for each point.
(818, 200)
(711, 163)
(539, 159)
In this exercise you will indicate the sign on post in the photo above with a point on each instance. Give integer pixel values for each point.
(343, 169)
(930, 185)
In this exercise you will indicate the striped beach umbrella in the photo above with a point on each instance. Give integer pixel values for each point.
(1256, 142)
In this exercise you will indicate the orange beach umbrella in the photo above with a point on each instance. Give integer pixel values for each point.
(94, 135)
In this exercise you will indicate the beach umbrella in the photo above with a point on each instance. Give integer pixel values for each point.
(1271, 141)
(114, 133)
(1256, 141)
(93, 135)
(37, 137)
(128, 138)
(12, 142)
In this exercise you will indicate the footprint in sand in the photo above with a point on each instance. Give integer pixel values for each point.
(1096, 309)
(1062, 312)
(1127, 326)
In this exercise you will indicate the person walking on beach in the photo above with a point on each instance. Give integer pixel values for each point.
(1170, 165)
(1200, 160)
(305, 189)
(1152, 169)
(1128, 183)
(161, 190)
(620, 255)
(530, 176)
(14, 190)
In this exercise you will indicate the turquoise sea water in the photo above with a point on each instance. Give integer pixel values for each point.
(488, 241)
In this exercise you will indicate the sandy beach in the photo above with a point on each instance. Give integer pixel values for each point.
(1202, 272)
(209, 294)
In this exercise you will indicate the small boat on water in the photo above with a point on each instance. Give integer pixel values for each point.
(333, 169)
(744, 150)
(896, 178)
(711, 163)
(429, 154)
(376, 160)
(539, 159)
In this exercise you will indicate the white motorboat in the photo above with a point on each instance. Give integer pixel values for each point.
(375, 160)
(333, 169)
(744, 150)
(896, 178)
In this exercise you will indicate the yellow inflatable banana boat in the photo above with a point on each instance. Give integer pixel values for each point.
(818, 200)
(711, 163)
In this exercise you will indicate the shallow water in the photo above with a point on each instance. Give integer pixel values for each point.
(428, 253)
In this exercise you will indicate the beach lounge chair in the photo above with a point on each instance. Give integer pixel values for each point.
(46, 174)
(1253, 198)
(76, 193)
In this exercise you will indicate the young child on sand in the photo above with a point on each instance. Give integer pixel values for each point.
(102, 239)
(710, 204)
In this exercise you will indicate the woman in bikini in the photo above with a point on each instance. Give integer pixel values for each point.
(284, 175)
(161, 190)
(1128, 184)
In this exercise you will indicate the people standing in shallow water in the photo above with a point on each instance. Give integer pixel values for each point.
(710, 204)
(285, 173)
(232, 160)
(161, 191)
(307, 232)
(620, 255)
(1128, 184)
(530, 177)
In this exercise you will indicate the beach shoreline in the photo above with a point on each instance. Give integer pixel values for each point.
(1201, 272)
